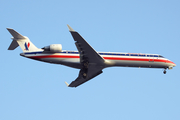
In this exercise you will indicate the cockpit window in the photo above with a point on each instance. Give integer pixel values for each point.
(161, 56)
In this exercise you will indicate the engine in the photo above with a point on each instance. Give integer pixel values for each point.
(53, 48)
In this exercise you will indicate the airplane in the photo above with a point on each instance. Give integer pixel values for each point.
(90, 62)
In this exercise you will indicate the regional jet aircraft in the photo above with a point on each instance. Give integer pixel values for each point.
(90, 62)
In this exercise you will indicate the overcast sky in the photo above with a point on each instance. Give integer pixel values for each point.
(33, 90)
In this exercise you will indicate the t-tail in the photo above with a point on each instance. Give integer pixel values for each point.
(22, 41)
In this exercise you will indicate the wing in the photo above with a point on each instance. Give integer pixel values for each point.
(85, 50)
(92, 62)
(83, 77)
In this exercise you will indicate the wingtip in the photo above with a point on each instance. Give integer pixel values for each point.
(66, 84)
(9, 29)
(70, 28)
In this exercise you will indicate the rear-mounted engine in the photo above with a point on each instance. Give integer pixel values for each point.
(53, 48)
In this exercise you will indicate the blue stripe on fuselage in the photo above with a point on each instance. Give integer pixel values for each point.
(115, 54)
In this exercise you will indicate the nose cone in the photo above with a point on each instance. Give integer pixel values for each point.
(171, 65)
(174, 64)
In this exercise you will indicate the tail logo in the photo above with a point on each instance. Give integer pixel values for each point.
(26, 46)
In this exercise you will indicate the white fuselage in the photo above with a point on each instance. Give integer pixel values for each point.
(72, 59)
(90, 62)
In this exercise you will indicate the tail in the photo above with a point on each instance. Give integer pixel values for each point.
(22, 41)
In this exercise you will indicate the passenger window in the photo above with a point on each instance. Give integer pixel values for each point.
(142, 55)
(134, 55)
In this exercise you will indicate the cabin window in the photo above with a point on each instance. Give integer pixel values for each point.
(142, 55)
(134, 54)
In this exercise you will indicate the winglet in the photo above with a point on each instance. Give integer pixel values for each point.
(67, 84)
(70, 28)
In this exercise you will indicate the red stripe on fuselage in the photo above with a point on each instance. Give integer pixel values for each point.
(54, 56)
(106, 58)
(138, 59)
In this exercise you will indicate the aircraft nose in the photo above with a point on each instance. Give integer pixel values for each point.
(171, 64)
(174, 65)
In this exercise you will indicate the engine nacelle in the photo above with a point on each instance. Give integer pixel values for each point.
(53, 48)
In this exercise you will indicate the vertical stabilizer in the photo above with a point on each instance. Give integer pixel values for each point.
(22, 41)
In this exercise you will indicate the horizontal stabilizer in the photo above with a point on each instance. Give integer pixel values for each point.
(15, 34)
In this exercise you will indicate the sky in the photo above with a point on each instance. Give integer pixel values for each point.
(33, 90)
